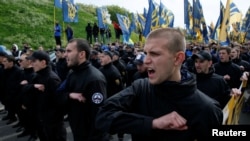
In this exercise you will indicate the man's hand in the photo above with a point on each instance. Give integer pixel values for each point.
(77, 96)
(235, 92)
(171, 121)
(244, 76)
(24, 82)
(226, 77)
(40, 87)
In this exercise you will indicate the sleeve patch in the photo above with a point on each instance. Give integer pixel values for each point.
(97, 98)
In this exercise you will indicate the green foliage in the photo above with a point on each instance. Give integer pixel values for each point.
(32, 21)
(113, 9)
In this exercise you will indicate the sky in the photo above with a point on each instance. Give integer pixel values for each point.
(211, 8)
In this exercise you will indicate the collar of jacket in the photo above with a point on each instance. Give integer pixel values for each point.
(226, 63)
(236, 61)
(28, 70)
(176, 90)
(82, 66)
(108, 65)
(201, 76)
(46, 70)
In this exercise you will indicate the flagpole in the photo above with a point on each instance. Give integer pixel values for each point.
(54, 15)
(63, 33)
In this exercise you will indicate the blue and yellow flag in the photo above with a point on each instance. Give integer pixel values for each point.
(196, 16)
(142, 22)
(211, 29)
(103, 17)
(135, 24)
(125, 24)
(152, 21)
(245, 28)
(203, 22)
(188, 17)
(246, 21)
(216, 31)
(223, 38)
(166, 16)
(235, 14)
(70, 12)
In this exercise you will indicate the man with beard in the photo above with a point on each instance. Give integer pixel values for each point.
(210, 83)
(85, 91)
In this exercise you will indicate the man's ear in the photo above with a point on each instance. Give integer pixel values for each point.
(82, 54)
(179, 58)
(43, 62)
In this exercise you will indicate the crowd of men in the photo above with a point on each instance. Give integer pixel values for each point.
(169, 89)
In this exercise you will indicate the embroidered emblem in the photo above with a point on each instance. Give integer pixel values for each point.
(97, 98)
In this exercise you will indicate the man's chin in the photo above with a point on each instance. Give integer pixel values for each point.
(69, 65)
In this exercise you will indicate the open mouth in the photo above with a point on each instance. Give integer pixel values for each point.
(151, 71)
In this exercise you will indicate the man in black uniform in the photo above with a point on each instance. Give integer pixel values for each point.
(166, 105)
(61, 64)
(120, 65)
(226, 68)
(11, 80)
(89, 32)
(141, 69)
(25, 114)
(85, 91)
(2, 55)
(42, 90)
(210, 83)
(111, 73)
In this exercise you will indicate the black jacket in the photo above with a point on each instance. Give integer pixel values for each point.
(230, 68)
(62, 68)
(45, 102)
(89, 81)
(214, 86)
(113, 77)
(11, 85)
(243, 63)
(133, 110)
(28, 74)
(122, 69)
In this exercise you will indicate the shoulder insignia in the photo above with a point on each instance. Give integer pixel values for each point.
(97, 98)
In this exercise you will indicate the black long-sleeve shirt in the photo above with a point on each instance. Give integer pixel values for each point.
(231, 69)
(133, 110)
(89, 81)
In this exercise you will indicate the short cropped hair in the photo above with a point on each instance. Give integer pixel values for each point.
(82, 45)
(175, 40)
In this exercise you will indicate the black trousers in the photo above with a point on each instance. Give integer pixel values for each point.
(52, 132)
(58, 40)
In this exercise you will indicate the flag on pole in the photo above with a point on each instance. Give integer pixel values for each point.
(103, 17)
(235, 14)
(245, 28)
(166, 16)
(70, 12)
(152, 20)
(216, 31)
(125, 25)
(188, 17)
(223, 38)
